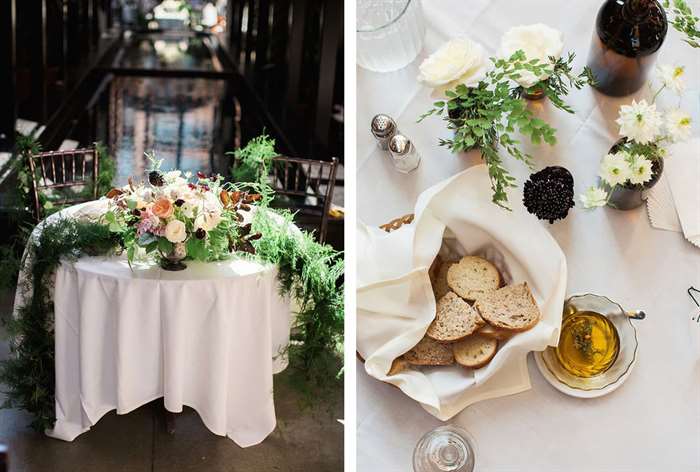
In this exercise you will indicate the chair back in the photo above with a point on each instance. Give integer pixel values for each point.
(61, 174)
(309, 183)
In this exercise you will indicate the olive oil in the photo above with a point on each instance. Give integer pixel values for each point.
(588, 345)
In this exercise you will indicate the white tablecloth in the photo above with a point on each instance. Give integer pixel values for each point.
(209, 337)
(650, 424)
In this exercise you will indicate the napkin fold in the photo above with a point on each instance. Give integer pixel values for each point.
(673, 203)
(395, 302)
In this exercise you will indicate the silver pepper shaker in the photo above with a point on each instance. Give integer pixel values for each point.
(403, 154)
(383, 128)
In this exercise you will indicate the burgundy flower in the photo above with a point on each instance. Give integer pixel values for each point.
(200, 233)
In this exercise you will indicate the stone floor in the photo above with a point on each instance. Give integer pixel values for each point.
(308, 439)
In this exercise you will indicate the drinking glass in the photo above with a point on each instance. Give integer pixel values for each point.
(389, 33)
(444, 449)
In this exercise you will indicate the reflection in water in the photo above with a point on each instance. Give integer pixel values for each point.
(176, 118)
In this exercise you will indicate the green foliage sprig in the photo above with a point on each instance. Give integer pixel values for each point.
(684, 21)
(252, 162)
(311, 274)
(29, 374)
(486, 116)
(560, 81)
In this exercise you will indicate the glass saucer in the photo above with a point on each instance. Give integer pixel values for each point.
(614, 376)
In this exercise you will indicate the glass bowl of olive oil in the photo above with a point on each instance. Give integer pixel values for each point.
(597, 343)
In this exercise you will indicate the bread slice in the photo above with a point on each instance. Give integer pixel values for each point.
(399, 365)
(430, 352)
(473, 277)
(494, 333)
(475, 351)
(454, 319)
(512, 308)
(439, 279)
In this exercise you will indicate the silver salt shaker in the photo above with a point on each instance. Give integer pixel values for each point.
(383, 128)
(403, 154)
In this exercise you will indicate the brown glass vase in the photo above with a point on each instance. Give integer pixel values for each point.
(627, 36)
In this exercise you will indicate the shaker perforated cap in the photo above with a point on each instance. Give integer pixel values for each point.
(400, 144)
(383, 126)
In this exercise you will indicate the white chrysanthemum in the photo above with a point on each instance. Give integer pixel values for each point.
(459, 61)
(640, 121)
(537, 41)
(594, 197)
(640, 169)
(678, 125)
(614, 169)
(672, 77)
(175, 231)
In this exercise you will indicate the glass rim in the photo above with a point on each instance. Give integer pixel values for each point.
(387, 24)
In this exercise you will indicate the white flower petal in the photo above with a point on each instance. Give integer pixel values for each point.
(459, 61)
(537, 41)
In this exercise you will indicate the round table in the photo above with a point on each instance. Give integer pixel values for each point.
(652, 422)
(209, 337)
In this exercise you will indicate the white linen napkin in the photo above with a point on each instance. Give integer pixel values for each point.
(674, 203)
(396, 304)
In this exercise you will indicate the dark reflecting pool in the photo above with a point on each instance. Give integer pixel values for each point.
(177, 118)
(167, 51)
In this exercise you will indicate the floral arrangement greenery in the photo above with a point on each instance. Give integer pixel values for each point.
(634, 161)
(252, 162)
(205, 215)
(483, 106)
(684, 21)
(309, 272)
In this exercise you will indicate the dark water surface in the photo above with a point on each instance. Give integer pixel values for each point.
(176, 118)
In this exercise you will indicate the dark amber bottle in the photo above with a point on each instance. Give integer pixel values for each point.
(627, 37)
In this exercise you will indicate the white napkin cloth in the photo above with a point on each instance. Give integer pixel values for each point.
(396, 304)
(673, 204)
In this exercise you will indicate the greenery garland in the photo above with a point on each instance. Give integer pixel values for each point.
(29, 372)
(308, 271)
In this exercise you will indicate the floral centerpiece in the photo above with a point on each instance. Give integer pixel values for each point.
(481, 100)
(177, 218)
(635, 163)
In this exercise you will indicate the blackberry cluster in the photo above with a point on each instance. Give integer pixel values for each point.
(156, 178)
(549, 193)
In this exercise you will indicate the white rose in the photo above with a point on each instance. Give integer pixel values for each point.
(175, 231)
(459, 61)
(537, 41)
(188, 209)
(207, 221)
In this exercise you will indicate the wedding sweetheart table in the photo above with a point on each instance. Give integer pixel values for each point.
(209, 337)
(652, 422)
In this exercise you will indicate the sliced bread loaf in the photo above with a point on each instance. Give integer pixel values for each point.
(454, 319)
(492, 332)
(430, 352)
(399, 365)
(473, 277)
(512, 308)
(475, 351)
(439, 279)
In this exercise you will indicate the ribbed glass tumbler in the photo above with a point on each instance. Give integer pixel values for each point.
(389, 33)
